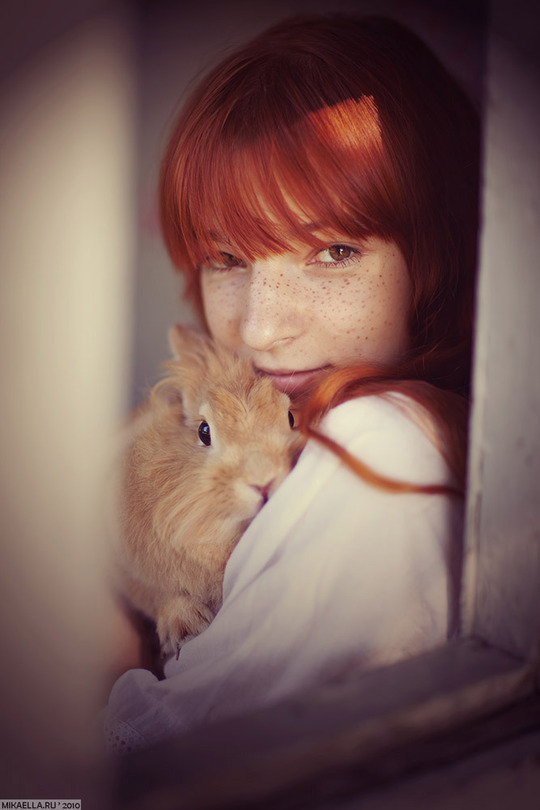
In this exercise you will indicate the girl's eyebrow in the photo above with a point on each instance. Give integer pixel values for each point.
(220, 240)
(312, 226)
(318, 227)
(322, 231)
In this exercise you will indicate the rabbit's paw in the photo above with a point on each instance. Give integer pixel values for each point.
(179, 620)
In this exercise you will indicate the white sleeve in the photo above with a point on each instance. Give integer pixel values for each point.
(334, 574)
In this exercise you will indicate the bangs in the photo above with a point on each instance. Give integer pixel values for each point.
(325, 172)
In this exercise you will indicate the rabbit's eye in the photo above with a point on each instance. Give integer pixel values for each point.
(204, 433)
(291, 419)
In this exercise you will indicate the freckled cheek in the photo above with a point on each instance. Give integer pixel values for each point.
(335, 311)
(365, 316)
(221, 309)
(346, 302)
(331, 300)
(395, 303)
(383, 317)
(354, 310)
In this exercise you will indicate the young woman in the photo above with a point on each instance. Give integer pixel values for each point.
(319, 191)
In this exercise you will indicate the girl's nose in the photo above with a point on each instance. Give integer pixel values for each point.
(272, 312)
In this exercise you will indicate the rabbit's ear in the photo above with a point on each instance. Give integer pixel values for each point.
(169, 392)
(193, 352)
(186, 340)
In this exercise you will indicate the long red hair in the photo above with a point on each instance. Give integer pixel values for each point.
(353, 123)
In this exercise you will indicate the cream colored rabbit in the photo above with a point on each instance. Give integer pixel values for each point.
(208, 448)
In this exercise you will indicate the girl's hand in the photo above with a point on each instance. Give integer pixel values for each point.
(133, 643)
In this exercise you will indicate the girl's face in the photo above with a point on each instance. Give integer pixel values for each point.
(298, 313)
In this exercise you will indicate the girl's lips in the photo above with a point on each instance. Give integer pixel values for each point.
(295, 382)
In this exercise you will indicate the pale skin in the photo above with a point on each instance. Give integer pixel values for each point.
(297, 313)
(294, 314)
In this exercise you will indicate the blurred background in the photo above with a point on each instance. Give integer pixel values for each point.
(88, 91)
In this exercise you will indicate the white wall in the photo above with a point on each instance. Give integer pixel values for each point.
(66, 252)
(502, 601)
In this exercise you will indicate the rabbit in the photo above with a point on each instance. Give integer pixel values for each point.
(207, 449)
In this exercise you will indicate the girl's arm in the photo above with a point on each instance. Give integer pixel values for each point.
(133, 643)
(333, 576)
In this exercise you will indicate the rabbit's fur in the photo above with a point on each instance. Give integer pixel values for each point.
(184, 505)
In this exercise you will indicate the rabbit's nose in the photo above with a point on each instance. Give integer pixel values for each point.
(264, 489)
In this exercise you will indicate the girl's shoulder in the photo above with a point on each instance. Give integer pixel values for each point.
(323, 505)
(393, 434)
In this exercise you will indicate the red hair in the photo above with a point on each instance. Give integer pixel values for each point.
(355, 125)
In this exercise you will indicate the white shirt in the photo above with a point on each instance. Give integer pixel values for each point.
(332, 575)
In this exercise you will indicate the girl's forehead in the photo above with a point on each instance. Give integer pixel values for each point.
(271, 219)
(298, 184)
(274, 235)
(297, 224)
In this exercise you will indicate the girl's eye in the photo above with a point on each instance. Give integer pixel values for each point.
(340, 252)
(230, 260)
(204, 434)
(335, 255)
(226, 261)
